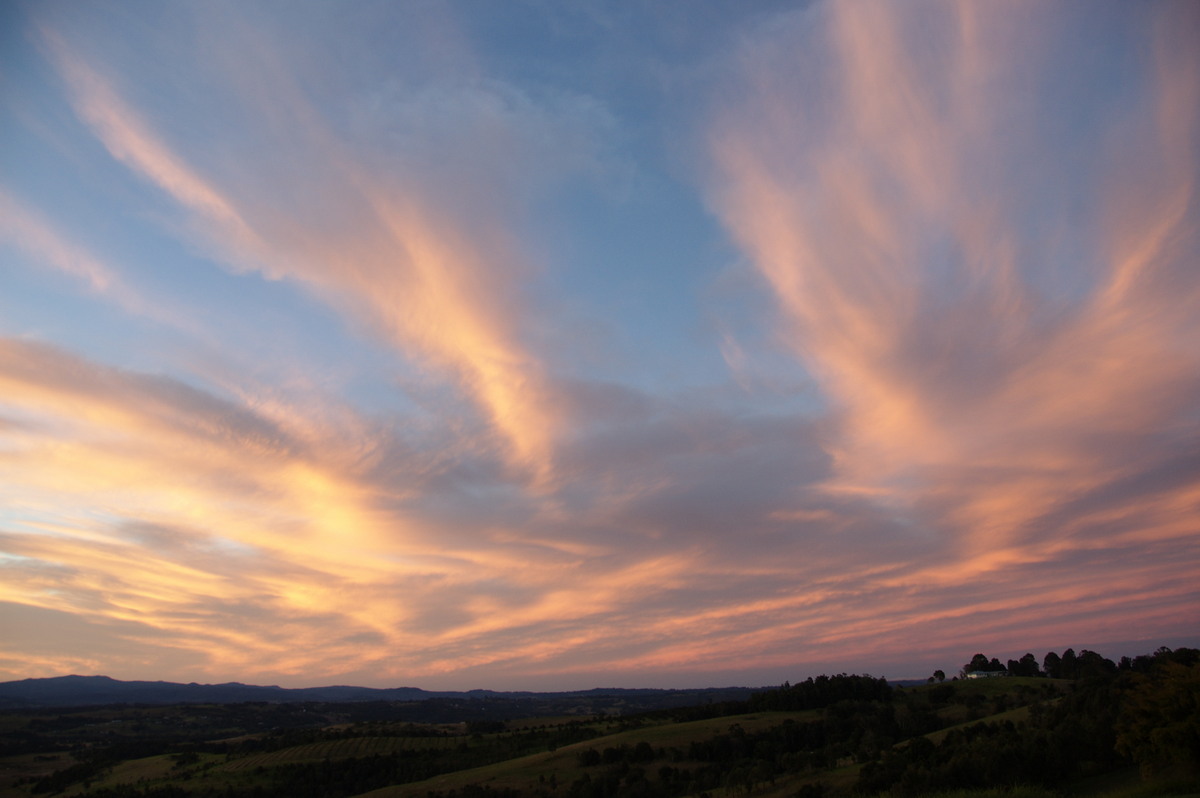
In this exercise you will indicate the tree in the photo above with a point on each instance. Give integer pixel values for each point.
(1026, 666)
(1070, 664)
(1052, 665)
(978, 663)
(1159, 725)
(940, 675)
(1091, 665)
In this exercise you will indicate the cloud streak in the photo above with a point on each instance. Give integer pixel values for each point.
(909, 285)
(996, 387)
(976, 229)
(421, 258)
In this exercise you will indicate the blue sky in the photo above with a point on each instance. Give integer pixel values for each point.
(532, 345)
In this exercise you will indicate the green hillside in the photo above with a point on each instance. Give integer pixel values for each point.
(1112, 731)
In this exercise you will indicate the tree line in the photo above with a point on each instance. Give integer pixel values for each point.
(1091, 717)
(1084, 665)
(1141, 711)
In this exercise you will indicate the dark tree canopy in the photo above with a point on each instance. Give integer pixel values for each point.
(1159, 725)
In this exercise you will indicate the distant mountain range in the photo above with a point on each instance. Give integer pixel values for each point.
(78, 691)
(65, 691)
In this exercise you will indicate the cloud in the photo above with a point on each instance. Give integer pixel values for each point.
(146, 498)
(200, 524)
(983, 434)
(47, 245)
(401, 218)
(907, 277)
(36, 236)
(226, 531)
(1008, 353)
(130, 140)
(285, 553)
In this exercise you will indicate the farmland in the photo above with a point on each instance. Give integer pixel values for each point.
(830, 736)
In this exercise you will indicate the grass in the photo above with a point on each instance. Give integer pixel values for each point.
(524, 724)
(684, 734)
(213, 771)
(520, 773)
(523, 773)
(23, 766)
(339, 749)
(1128, 783)
(547, 769)
(1015, 715)
(1015, 792)
(131, 771)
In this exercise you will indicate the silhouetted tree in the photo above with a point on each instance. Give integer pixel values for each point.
(1159, 725)
(1090, 665)
(979, 662)
(1070, 664)
(1026, 666)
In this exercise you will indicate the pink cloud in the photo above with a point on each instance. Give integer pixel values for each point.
(975, 390)
(422, 259)
(996, 310)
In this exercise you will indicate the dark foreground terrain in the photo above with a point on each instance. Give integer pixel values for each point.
(1100, 729)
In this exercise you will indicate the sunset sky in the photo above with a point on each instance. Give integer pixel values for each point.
(541, 345)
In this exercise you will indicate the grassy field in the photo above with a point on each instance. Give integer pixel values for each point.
(534, 771)
(339, 749)
(561, 767)
(23, 766)
(856, 738)
(135, 771)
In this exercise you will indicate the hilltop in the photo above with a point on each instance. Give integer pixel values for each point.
(1119, 730)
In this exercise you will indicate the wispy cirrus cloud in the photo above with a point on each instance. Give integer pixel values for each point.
(183, 504)
(30, 231)
(45, 245)
(992, 327)
(981, 432)
(194, 524)
(414, 249)
(225, 535)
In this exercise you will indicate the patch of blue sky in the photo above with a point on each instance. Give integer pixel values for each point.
(646, 258)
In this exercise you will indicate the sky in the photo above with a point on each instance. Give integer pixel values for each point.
(540, 346)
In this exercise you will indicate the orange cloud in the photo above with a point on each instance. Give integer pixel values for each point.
(902, 292)
(985, 387)
(206, 528)
(130, 140)
(429, 280)
(1008, 365)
